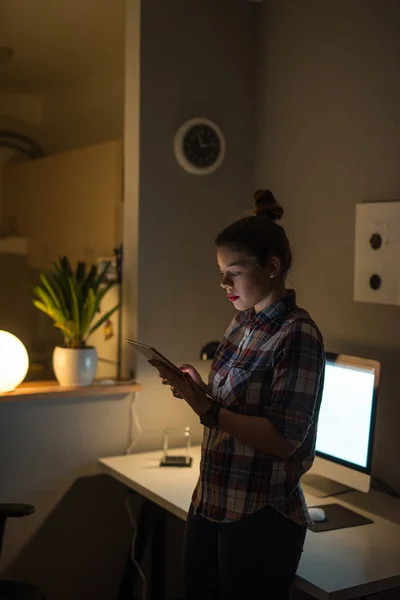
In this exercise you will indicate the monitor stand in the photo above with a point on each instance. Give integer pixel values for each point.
(321, 487)
(337, 516)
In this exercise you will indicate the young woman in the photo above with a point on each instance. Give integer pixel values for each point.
(247, 522)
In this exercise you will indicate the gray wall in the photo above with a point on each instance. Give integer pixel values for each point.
(329, 137)
(198, 59)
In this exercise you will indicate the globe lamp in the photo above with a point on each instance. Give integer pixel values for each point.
(14, 361)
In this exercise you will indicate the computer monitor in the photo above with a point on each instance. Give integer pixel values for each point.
(346, 423)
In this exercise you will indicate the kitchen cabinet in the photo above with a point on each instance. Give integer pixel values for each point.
(66, 204)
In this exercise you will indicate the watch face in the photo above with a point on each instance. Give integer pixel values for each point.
(201, 146)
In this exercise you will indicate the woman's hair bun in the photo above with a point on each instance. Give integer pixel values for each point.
(265, 205)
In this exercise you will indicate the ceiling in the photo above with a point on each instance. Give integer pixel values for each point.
(57, 42)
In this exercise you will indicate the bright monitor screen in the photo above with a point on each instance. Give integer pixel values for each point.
(346, 414)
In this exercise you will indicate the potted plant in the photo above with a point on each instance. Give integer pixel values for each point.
(72, 300)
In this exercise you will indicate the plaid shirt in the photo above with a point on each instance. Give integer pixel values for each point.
(269, 364)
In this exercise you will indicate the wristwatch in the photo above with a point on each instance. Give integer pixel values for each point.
(211, 416)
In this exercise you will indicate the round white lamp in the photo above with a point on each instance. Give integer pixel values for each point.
(14, 361)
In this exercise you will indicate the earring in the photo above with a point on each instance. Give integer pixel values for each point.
(272, 275)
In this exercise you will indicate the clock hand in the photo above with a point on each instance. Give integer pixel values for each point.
(199, 140)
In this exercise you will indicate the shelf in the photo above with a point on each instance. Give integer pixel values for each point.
(14, 245)
(40, 390)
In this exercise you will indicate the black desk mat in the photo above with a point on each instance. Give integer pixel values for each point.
(338, 517)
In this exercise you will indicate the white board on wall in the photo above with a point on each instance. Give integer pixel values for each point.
(377, 253)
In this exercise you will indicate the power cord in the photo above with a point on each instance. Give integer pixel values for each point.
(385, 487)
(135, 429)
(133, 546)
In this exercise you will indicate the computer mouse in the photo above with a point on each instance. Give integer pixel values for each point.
(317, 514)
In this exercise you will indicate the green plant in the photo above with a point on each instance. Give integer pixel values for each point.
(72, 299)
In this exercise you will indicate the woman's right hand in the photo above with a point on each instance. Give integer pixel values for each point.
(190, 370)
(194, 374)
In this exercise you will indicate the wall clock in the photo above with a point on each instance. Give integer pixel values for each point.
(199, 146)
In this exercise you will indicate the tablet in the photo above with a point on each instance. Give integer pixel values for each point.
(152, 354)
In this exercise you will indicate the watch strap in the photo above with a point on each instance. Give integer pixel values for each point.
(210, 417)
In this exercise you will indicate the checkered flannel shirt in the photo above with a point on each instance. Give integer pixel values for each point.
(269, 364)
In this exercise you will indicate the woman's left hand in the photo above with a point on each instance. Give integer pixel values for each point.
(185, 386)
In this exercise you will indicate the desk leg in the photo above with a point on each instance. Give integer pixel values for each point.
(158, 557)
(151, 529)
(130, 574)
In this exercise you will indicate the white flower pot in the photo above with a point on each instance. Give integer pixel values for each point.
(74, 366)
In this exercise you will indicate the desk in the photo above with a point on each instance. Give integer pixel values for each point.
(344, 564)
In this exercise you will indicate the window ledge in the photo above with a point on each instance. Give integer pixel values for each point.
(39, 390)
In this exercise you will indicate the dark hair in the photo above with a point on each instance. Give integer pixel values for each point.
(260, 236)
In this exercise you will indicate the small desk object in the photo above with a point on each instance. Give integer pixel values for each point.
(343, 564)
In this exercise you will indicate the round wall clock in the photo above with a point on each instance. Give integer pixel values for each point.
(199, 146)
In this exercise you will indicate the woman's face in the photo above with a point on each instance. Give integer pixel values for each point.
(247, 284)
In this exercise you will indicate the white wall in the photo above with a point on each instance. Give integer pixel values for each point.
(329, 137)
(76, 544)
(186, 70)
(85, 113)
(25, 107)
(47, 446)
(22, 113)
(72, 116)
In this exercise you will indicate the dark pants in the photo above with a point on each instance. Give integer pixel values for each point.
(255, 558)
